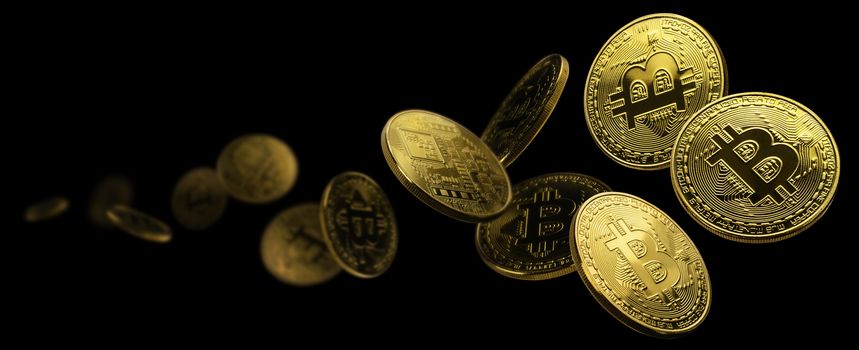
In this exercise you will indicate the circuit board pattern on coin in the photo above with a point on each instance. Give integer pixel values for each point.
(293, 250)
(199, 199)
(257, 168)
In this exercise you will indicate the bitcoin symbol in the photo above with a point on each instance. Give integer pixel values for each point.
(657, 270)
(545, 217)
(362, 222)
(763, 164)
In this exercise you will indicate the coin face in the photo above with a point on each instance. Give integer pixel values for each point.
(446, 166)
(46, 209)
(755, 167)
(113, 190)
(530, 240)
(199, 199)
(139, 224)
(639, 265)
(359, 225)
(257, 168)
(647, 80)
(293, 250)
(526, 108)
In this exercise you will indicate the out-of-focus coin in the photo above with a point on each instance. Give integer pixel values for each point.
(257, 168)
(113, 190)
(359, 225)
(293, 249)
(526, 108)
(46, 209)
(639, 265)
(139, 224)
(199, 199)
(445, 166)
(648, 79)
(530, 241)
(755, 167)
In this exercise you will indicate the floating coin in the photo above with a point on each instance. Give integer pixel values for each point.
(639, 265)
(293, 250)
(647, 80)
(139, 224)
(530, 241)
(199, 199)
(257, 168)
(359, 225)
(113, 190)
(46, 209)
(755, 167)
(526, 108)
(445, 166)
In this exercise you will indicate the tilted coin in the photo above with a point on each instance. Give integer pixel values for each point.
(445, 166)
(199, 199)
(640, 266)
(359, 225)
(530, 240)
(646, 82)
(293, 250)
(257, 168)
(139, 224)
(113, 190)
(755, 167)
(46, 209)
(526, 108)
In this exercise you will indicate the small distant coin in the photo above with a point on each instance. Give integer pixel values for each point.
(257, 168)
(113, 190)
(445, 166)
(293, 249)
(359, 225)
(47, 209)
(199, 199)
(526, 109)
(139, 224)
(640, 266)
(530, 241)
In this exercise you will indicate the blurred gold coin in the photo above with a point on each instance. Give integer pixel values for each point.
(139, 224)
(293, 249)
(199, 199)
(113, 190)
(257, 168)
(46, 209)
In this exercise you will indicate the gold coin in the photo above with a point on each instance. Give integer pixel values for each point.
(445, 166)
(359, 225)
(293, 250)
(526, 109)
(755, 167)
(199, 199)
(257, 168)
(639, 265)
(139, 224)
(647, 80)
(46, 209)
(113, 190)
(530, 240)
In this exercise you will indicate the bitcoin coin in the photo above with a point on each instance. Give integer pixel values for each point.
(113, 190)
(293, 250)
(46, 209)
(257, 168)
(526, 108)
(358, 224)
(755, 167)
(139, 224)
(639, 265)
(647, 80)
(445, 166)
(530, 240)
(199, 199)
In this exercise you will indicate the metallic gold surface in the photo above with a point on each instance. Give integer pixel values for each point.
(530, 240)
(755, 167)
(640, 266)
(46, 209)
(113, 190)
(139, 224)
(647, 80)
(359, 225)
(445, 166)
(293, 250)
(257, 168)
(526, 109)
(199, 199)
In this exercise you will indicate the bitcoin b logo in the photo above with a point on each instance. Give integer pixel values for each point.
(657, 270)
(755, 157)
(545, 217)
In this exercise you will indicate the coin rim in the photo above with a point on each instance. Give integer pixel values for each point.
(175, 201)
(219, 169)
(148, 236)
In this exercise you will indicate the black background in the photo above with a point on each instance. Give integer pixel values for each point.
(150, 96)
